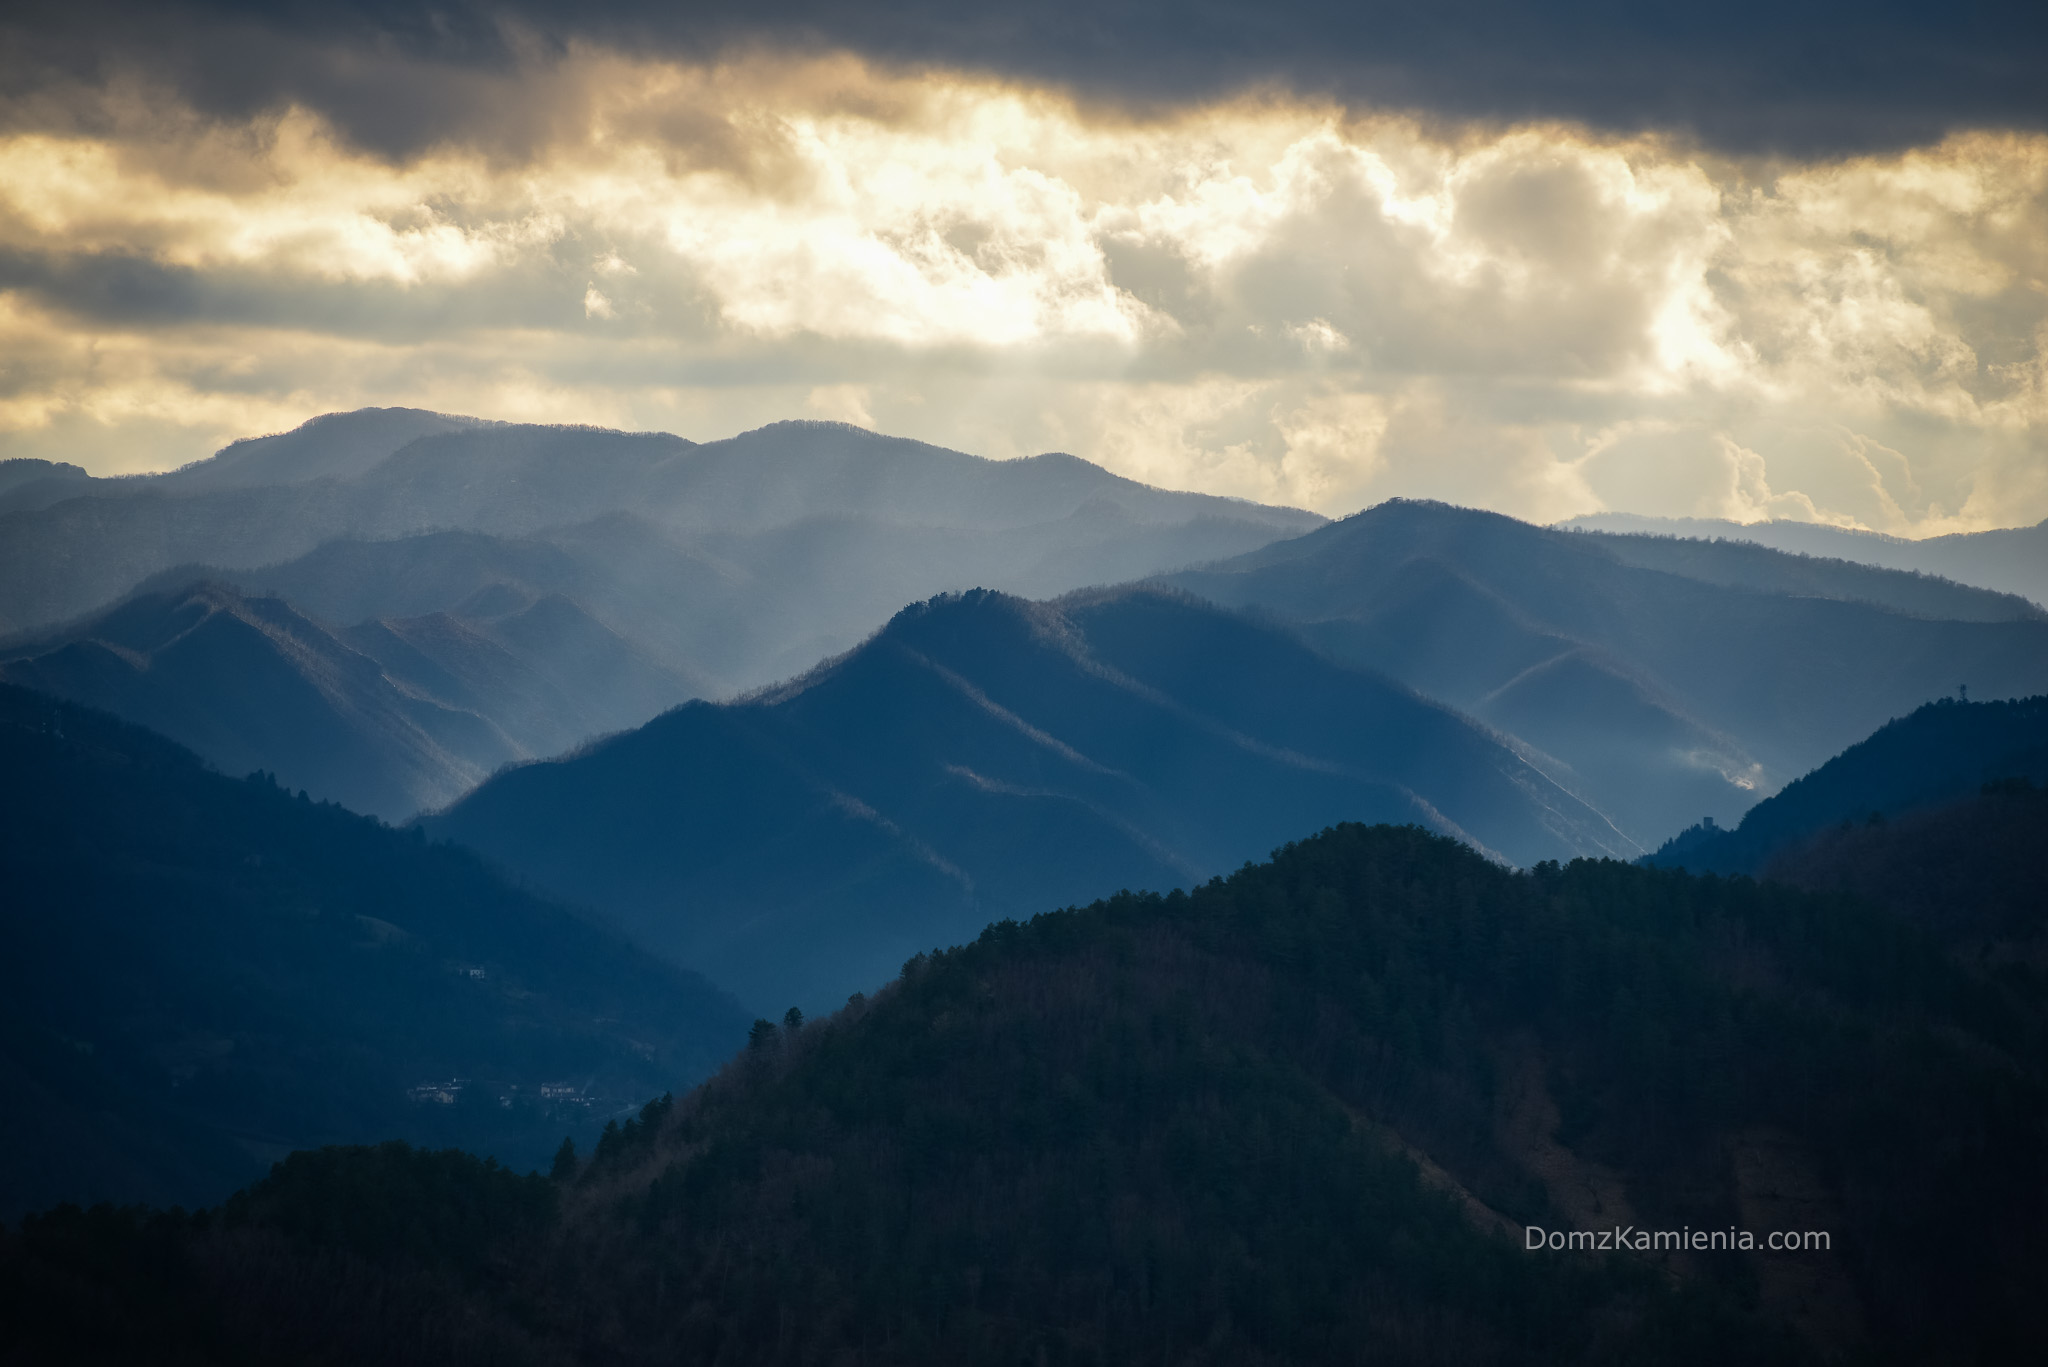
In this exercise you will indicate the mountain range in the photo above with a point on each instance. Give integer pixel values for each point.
(385, 474)
(982, 756)
(1238, 1111)
(1657, 686)
(2006, 559)
(384, 606)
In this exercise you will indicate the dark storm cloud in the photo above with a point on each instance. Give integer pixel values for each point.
(1776, 75)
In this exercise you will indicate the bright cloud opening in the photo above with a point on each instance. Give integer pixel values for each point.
(1283, 300)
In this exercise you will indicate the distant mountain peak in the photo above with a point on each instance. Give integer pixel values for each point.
(330, 446)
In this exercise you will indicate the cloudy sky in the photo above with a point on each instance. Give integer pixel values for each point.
(1761, 261)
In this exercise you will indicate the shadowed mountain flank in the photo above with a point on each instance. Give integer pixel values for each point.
(1304, 1114)
(1658, 687)
(1942, 753)
(203, 973)
(983, 755)
(1971, 871)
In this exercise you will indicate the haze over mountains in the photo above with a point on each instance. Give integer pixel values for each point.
(279, 498)
(1942, 753)
(1941, 818)
(2006, 559)
(1280, 1112)
(983, 756)
(1660, 681)
(386, 717)
(396, 602)
(490, 593)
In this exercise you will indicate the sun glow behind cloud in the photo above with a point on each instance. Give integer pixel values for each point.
(1284, 300)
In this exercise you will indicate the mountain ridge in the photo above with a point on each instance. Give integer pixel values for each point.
(509, 479)
(1939, 753)
(2005, 559)
(1147, 736)
(1690, 696)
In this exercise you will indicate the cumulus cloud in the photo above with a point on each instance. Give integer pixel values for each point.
(1287, 299)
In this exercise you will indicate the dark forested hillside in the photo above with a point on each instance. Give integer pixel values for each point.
(1974, 872)
(1659, 688)
(1941, 753)
(1301, 1115)
(201, 973)
(983, 757)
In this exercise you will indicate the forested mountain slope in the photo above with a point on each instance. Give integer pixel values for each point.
(983, 756)
(1660, 693)
(1973, 871)
(201, 973)
(1941, 753)
(1301, 1115)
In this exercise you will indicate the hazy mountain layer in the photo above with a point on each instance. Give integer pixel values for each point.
(264, 503)
(1305, 1115)
(27, 483)
(523, 589)
(1943, 752)
(203, 972)
(1744, 564)
(735, 610)
(386, 717)
(983, 756)
(250, 683)
(332, 446)
(2008, 559)
(1659, 694)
